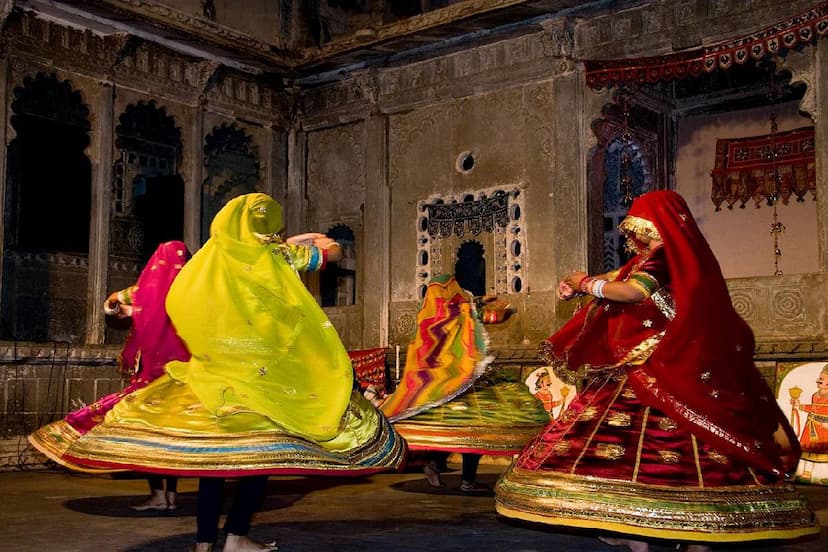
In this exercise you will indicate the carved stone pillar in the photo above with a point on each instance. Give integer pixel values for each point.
(192, 185)
(569, 187)
(4, 70)
(375, 272)
(275, 170)
(99, 214)
(295, 200)
(820, 82)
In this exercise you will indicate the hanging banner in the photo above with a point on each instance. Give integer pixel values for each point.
(744, 168)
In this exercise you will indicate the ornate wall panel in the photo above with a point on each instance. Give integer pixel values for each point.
(786, 312)
(335, 173)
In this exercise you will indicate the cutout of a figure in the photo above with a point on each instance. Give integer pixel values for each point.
(814, 436)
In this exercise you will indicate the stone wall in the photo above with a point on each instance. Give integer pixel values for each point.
(40, 383)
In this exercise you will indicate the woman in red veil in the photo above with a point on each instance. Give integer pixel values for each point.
(675, 433)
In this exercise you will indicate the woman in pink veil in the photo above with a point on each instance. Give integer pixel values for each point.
(152, 343)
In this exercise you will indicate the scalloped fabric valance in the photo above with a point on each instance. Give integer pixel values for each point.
(801, 29)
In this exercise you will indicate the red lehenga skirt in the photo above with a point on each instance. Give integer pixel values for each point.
(613, 464)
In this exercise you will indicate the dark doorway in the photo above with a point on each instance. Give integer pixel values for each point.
(470, 268)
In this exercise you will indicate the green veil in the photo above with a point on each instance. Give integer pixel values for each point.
(259, 341)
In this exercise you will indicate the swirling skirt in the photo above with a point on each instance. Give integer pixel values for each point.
(610, 463)
(496, 416)
(164, 429)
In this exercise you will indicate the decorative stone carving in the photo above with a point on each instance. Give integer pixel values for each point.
(787, 305)
(802, 66)
(559, 37)
(743, 301)
(403, 322)
(336, 169)
(503, 207)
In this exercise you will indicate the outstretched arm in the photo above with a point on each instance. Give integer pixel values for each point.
(622, 292)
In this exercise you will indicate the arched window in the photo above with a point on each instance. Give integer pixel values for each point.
(47, 210)
(625, 180)
(232, 168)
(50, 177)
(147, 192)
(337, 282)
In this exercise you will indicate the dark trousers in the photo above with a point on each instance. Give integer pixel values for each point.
(249, 494)
(156, 483)
(470, 463)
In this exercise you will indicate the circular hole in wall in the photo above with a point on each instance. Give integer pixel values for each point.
(423, 224)
(514, 212)
(423, 258)
(516, 284)
(465, 162)
(515, 248)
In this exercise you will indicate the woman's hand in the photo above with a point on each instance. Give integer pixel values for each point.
(574, 280)
(308, 238)
(114, 307)
(565, 291)
(323, 242)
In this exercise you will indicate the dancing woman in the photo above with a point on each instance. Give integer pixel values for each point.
(675, 433)
(268, 389)
(152, 342)
(449, 399)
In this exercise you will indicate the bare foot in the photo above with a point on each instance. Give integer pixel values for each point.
(635, 546)
(432, 473)
(171, 500)
(243, 543)
(156, 501)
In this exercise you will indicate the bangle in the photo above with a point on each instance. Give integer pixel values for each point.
(593, 286)
(111, 310)
(598, 288)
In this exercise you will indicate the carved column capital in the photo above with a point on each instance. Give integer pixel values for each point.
(6, 7)
(802, 66)
(204, 74)
(558, 39)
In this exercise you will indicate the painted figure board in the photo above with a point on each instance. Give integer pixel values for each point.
(803, 396)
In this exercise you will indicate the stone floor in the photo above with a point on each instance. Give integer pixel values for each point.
(54, 510)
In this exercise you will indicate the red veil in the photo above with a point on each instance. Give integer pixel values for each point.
(702, 372)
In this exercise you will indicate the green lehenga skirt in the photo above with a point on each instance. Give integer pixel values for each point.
(496, 416)
(165, 429)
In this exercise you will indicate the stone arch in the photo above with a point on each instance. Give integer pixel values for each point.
(623, 165)
(337, 283)
(148, 192)
(47, 160)
(47, 209)
(231, 164)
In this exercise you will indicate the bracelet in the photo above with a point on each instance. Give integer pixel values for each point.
(593, 286)
(111, 310)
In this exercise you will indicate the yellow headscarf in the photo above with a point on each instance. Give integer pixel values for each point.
(259, 341)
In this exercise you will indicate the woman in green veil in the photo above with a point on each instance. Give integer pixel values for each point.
(269, 386)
